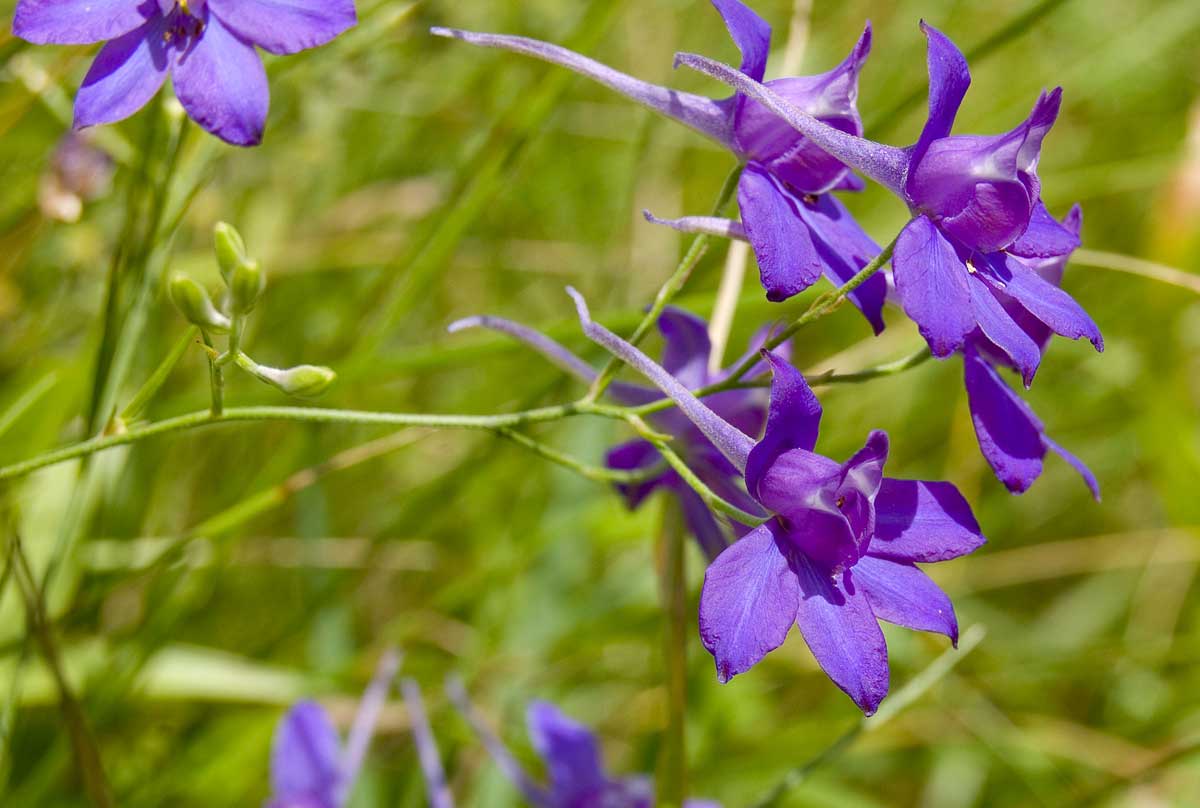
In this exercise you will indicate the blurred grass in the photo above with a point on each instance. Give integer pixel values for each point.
(477, 558)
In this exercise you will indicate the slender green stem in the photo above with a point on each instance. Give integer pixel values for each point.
(150, 389)
(673, 590)
(26, 401)
(900, 365)
(1137, 266)
(668, 290)
(237, 324)
(216, 377)
(599, 474)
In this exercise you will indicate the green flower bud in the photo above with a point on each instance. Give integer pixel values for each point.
(304, 381)
(230, 249)
(195, 304)
(246, 284)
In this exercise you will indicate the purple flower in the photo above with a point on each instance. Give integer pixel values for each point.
(685, 355)
(207, 47)
(571, 754)
(839, 551)
(1010, 435)
(976, 208)
(798, 229)
(309, 766)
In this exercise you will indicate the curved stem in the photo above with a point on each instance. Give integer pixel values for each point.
(1137, 266)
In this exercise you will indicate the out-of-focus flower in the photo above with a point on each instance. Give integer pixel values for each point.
(839, 550)
(1011, 436)
(571, 754)
(207, 47)
(79, 172)
(685, 355)
(798, 229)
(977, 212)
(310, 768)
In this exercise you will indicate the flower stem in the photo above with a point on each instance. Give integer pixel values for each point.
(216, 378)
(669, 289)
(672, 764)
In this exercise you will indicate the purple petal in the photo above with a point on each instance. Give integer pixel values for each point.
(803, 488)
(997, 324)
(685, 346)
(701, 522)
(79, 22)
(1046, 237)
(787, 260)
(221, 83)
(126, 74)
(923, 521)
(861, 477)
(709, 225)
(305, 756)
(949, 79)
(845, 249)
(1088, 478)
(709, 118)
(747, 603)
(750, 33)
(436, 788)
(635, 456)
(793, 420)
(1044, 300)
(933, 286)
(901, 594)
(843, 634)
(851, 182)
(569, 750)
(286, 26)
(884, 164)
(729, 440)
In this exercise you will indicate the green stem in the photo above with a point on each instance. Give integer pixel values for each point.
(668, 290)
(900, 365)
(673, 590)
(598, 474)
(216, 378)
(150, 389)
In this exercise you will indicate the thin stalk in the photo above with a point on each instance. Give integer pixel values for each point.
(598, 474)
(669, 289)
(1137, 266)
(150, 389)
(900, 365)
(26, 401)
(672, 765)
(216, 378)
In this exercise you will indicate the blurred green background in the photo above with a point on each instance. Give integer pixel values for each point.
(406, 181)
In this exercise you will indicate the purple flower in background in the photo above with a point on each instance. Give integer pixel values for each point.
(1010, 435)
(571, 754)
(436, 788)
(685, 355)
(207, 47)
(309, 766)
(977, 214)
(839, 551)
(798, 229)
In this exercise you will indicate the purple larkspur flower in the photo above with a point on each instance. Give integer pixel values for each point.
(1011, 436)
(686, 348)
(977, 212)
(571, 753)
(839, 550)
(309, 766)
(798, 228)
(207, 47)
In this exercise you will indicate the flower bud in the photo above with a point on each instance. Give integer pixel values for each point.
(230, 249)
(246, 284)
(303, 381)
(195, 304)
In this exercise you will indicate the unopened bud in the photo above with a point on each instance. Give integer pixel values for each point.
(195, 304)
(246, 284)
(303, 381)
(230, 249)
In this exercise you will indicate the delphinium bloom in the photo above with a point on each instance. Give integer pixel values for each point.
(840, 548)
(571, 754)
(798, 228)
(207, 47)
(1011, 436)
(309, 766)
(978, 218)
(685, 355)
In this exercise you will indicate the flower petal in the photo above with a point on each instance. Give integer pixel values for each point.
(1045, 301)
(305, 755)
(1046, 237)
(949, 78)
(788, 262)
(802, 487)
(923, 521)
(997, 324)
(569, 750)
(750, 33)
(901, 594)
(685, 346)
(932, 283)
(126, 74)
(845, 249)
(634, 456)
(704, 527)
(79, 22)
(843, 634)
(747, 603)
(1009, 433)
(221, 83)
(286, 26)
(1088, 478)
(793, 420)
